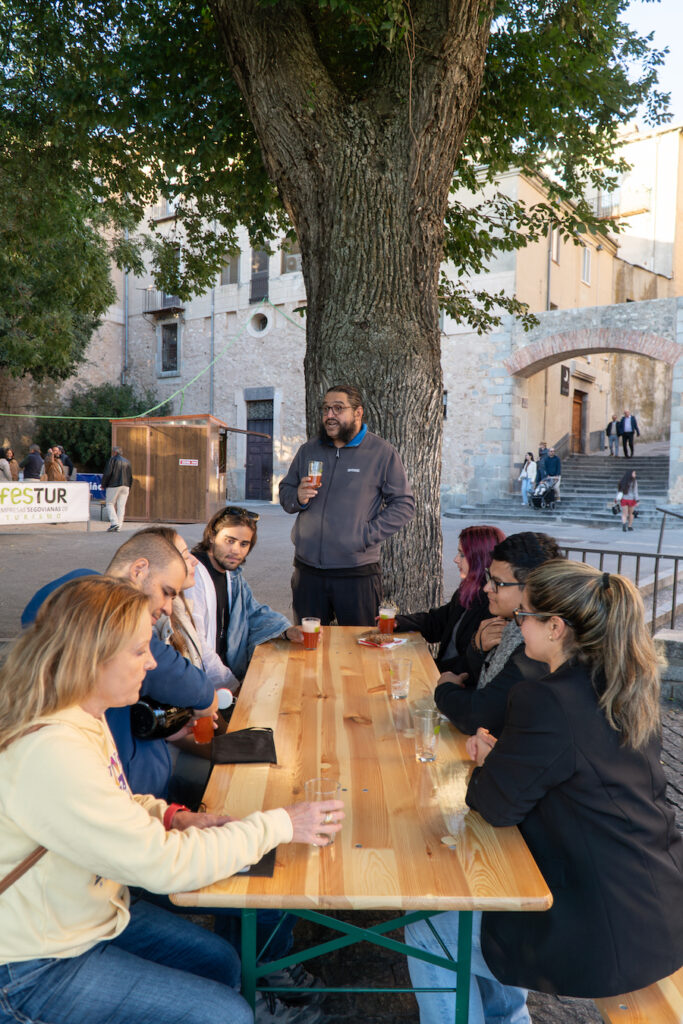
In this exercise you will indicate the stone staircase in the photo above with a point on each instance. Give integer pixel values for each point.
(589, 485)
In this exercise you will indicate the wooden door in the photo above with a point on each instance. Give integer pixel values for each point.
(178, 472)
(577, 422)
(259, 476)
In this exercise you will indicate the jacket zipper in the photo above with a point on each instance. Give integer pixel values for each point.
(322, 514)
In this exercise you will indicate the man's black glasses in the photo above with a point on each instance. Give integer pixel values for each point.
(499, 583)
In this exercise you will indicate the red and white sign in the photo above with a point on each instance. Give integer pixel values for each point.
(188, 462)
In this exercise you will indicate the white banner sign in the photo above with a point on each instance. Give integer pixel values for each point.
(41, 501)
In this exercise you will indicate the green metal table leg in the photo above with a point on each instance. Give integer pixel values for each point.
(462, 995)
(249, 956)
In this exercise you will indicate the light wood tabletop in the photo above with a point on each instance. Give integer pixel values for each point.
(332, 716)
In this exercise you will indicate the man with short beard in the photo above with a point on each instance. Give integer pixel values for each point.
(362, 498)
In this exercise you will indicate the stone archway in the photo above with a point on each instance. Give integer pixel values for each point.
(491, 377)
(653, 329)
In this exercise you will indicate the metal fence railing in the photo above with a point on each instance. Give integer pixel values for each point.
(655, 574)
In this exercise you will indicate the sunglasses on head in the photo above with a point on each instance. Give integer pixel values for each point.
(245, 513)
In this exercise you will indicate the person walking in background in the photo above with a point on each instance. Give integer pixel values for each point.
(628, 427)
(52, 467)
(32, 465)
(528, 477)
(5, 471)
(117, 481)
(550, 465)
(359, 497)
(627, 494)
(13, 464)
(612, 432)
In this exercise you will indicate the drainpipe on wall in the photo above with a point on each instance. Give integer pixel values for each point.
(124, 371)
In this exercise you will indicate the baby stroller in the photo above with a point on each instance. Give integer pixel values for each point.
(544, 493)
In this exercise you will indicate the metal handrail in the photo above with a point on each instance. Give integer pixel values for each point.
(667, 511)
(639, 557)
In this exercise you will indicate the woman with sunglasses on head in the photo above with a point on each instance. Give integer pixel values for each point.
(453, 625)
(73, 837)
(577, 768)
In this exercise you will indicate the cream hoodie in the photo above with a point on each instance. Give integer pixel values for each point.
(62, 787)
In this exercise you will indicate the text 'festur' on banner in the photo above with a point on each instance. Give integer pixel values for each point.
(42, 501)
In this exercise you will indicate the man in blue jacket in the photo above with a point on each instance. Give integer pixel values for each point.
(362, 497)
(156, 568)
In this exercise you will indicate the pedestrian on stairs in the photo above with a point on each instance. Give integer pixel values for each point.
(627, 495)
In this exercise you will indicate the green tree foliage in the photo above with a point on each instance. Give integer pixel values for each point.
(138, 96)
(54, 262)
(88, 440)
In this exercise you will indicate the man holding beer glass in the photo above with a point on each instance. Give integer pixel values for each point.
(350, 492)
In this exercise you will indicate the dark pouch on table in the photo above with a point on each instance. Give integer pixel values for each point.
(245, 746)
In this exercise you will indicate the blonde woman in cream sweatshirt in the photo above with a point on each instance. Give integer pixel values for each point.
(72, 948)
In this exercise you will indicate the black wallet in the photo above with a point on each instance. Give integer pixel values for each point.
(245, 746)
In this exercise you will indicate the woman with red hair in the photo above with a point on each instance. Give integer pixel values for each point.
(453, 625)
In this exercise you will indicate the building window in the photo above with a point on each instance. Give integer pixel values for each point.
(586, 265)
(169, 349)
(230, 274)
(555, 244)
(259, 275)
(290, 256)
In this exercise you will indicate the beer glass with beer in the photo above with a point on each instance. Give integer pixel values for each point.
(315, 472)
(311, 631)
(387, 617)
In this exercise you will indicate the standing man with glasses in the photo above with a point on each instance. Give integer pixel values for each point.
(227, 615)
(497, 649)
(353, 498)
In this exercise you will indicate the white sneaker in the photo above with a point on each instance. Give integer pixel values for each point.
(270, 1010)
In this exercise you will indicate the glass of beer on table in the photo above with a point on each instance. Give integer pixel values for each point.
(311, 630)
(387, 617)
(315, 471)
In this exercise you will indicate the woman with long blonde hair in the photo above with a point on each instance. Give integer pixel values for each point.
(73, 836)
(577, 768)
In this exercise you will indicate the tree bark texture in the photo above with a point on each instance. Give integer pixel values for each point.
(365, 181)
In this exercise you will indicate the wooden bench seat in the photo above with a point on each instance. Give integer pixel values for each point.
(661, 1003)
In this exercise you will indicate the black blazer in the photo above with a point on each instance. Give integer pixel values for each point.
(594, 816)
(437, 627)
(471, 709)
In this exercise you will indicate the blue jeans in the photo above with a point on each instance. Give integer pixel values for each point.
(160, 970)
(527, 488)
(228, 924)
(613, 444)
(489, 999)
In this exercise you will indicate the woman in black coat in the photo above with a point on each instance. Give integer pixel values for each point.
(577, 768)
(453, 625)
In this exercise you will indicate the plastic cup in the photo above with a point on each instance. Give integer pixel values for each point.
(387, 618)
(203, 729)
(399, 675)
(315, 471)
(311, 629)
(322, 789)
(426, 723)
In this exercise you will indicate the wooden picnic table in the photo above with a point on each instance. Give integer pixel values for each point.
(332, 716)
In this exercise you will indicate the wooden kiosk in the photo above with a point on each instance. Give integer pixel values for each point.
(179, 467)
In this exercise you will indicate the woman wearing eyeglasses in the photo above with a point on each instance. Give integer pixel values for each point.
(495, 657)
(577, 768)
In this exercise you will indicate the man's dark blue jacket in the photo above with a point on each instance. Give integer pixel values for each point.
(146, 763)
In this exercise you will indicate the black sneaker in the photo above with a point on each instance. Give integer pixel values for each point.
(295, 977)
(270, 1010)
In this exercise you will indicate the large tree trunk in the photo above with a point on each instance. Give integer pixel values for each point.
(365, 182)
